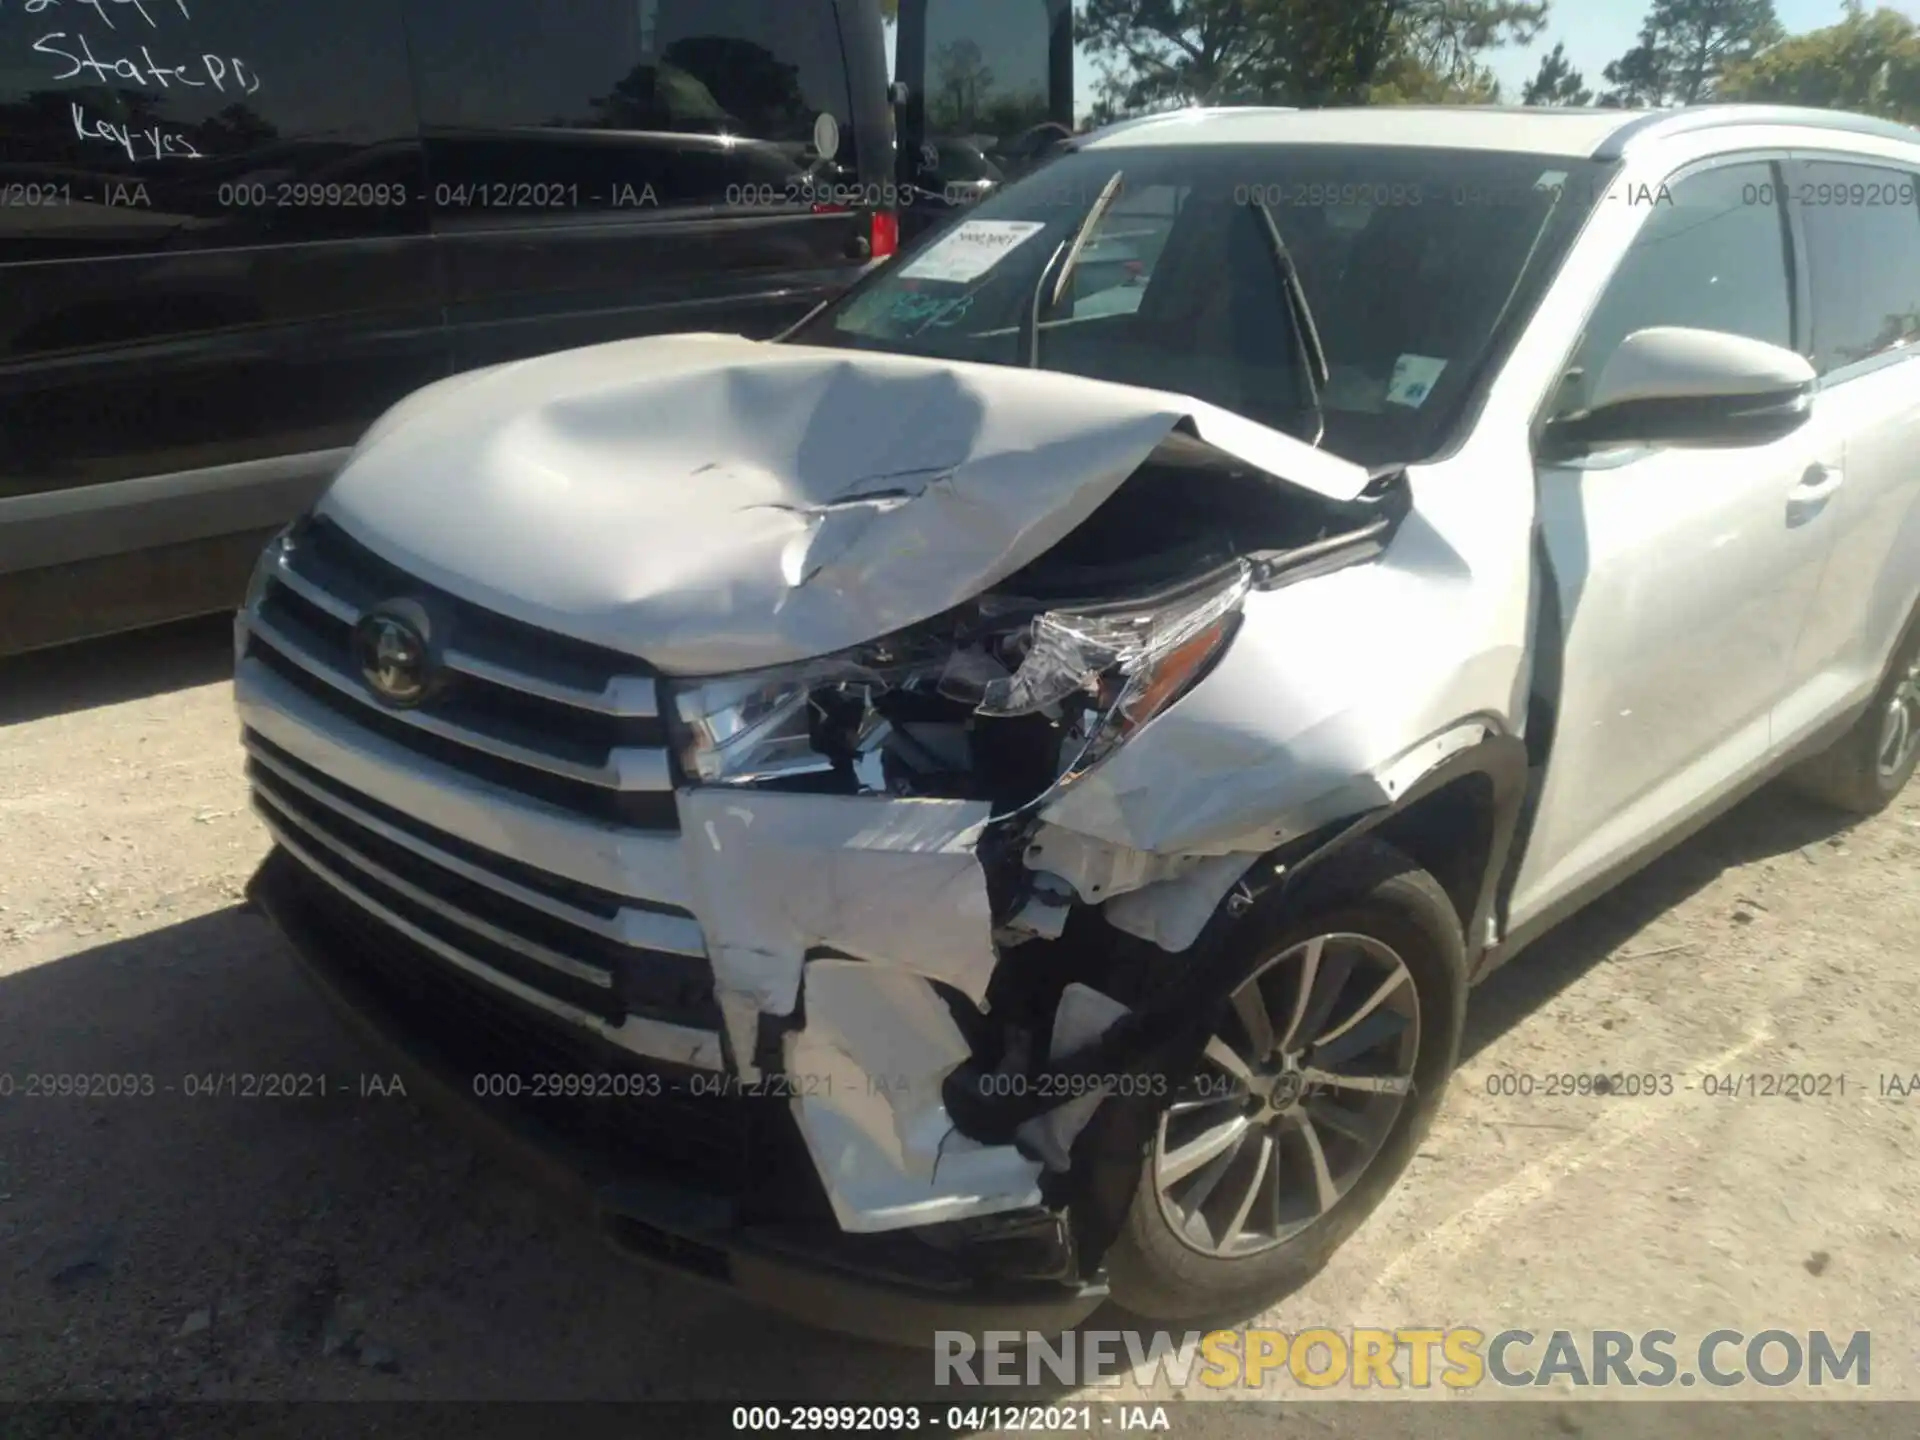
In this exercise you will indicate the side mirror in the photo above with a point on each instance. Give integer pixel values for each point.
(1668, 385)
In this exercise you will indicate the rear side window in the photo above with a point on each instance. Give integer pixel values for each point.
(195, 123)
(1711, 255)
(1862, 224)
(988, 80)
(631, 104)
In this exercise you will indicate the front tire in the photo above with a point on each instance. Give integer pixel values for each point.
(1868, 766)
(1324, 1072)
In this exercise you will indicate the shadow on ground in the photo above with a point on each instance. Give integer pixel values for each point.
(196, 1232)
(1776, 821)
(133, 666)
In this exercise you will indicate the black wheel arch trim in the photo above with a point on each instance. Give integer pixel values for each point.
(1166, 1035)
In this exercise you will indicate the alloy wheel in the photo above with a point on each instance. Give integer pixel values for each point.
(1297, 1095)
(1900, 725)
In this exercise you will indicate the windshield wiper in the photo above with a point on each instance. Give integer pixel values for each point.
(1042, 301)
(1306, 335)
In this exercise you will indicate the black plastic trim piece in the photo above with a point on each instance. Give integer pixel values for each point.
(1704, 421)
(1165, 1036)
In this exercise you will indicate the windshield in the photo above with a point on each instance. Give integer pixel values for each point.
(1413, 262)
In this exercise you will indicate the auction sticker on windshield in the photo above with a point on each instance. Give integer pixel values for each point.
(972, 250)
(1413, 379)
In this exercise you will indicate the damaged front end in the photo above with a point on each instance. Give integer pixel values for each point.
(901, 757)
(900, 935)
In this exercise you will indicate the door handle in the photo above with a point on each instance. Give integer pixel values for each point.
(1817, 486)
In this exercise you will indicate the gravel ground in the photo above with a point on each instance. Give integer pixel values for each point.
(163, 1246)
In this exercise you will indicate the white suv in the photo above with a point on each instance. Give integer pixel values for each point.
(999, 797)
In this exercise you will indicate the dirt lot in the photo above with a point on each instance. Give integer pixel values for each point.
(170, 1246)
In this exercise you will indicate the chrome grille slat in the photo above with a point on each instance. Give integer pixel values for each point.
(626, 769)
(655, 1039)
(478, 812)
(643, 929)
(521, 825)
(278, 816)
(345, 611)
(627, 697)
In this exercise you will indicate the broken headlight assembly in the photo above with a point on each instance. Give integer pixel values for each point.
(1005, 701)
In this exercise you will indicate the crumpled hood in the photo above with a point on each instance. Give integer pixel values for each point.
(710, 503)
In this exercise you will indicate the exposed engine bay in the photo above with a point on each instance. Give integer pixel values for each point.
(974, 721)
(1010, 695)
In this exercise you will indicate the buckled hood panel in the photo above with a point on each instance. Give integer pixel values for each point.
(710, 503)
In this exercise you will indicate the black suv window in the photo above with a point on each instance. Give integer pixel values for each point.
(129, 127)
(623, 104)
(1711, 255)
(1863, 240)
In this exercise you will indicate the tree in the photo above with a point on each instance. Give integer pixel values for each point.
(1448, 37)
(1299, 52)
(1556, 82)
(1866, 63)
(1683, 48)
(961, 83)
(1157, 53)
(1403, 80)
(748, 82)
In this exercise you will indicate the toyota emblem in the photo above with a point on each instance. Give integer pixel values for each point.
(390, 645)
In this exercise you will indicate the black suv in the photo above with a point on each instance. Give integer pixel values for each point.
(232, 234)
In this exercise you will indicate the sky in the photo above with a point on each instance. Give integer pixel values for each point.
(1597, 31)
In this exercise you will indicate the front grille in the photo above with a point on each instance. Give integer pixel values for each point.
(540, 715)
(633, 971)
(674, 1119)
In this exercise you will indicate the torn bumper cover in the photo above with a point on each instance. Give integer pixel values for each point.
(896, 891)
(763, 1241)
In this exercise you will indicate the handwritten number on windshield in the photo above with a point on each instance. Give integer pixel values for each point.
(922, 311)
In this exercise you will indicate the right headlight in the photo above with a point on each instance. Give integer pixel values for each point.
(907, 715)
(1130, 660)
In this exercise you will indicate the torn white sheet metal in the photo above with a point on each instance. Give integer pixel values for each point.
(1327, 685)
(1097, 869)
(1082, 1017)
(772, 876)
(867, 1072)
(1044, 916)
(1172, 913)
(712, 503)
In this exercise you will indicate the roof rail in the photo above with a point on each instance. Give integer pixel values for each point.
(1660, 124)
(1133, 122)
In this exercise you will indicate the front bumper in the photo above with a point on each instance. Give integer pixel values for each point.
(717, 1188)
